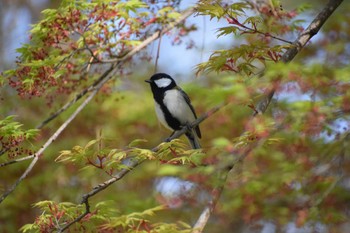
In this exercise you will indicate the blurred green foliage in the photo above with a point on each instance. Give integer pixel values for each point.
(295, 161)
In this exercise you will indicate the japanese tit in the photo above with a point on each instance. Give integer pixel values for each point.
(173, 106)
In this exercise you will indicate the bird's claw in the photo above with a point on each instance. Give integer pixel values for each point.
(188, 127)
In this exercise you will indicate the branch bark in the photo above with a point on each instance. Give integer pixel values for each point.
(288, 56)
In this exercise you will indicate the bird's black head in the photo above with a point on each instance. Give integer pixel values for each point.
(161, 82)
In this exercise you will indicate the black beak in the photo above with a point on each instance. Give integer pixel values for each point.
(148, 81)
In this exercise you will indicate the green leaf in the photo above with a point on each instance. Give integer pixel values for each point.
(29, 228)
(221, 142)
(213, 10)
(226, 31)
(43, 204)
(240, 6)
(169, 170)
(89, 144)
(137, 142)
(253, 20)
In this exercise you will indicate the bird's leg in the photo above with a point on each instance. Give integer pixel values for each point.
(168, 139)
(188, 127)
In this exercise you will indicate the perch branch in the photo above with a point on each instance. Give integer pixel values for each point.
(131, 164)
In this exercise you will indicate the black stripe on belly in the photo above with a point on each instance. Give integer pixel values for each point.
(171, 121)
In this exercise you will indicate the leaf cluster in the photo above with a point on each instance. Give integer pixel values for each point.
(259, 45)
(68, 44)
(12, 135)
(104, 218)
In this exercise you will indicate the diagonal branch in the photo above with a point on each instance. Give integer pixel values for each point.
(131, 164)
(313, 28)
(288, 56)
(106, 76)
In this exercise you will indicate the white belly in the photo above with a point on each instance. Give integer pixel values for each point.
(178, 107)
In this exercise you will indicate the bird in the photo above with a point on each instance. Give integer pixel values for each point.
(173, 107)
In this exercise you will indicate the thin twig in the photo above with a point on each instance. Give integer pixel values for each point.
(131, 164)
(241, 28)
(16, 160)
(204, 36)
(288, 56)
(255, 30)
(157, 56)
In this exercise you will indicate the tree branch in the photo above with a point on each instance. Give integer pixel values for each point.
(131, 164)
(209, 208)
(311, 30)
(299, 43)
(288, 56)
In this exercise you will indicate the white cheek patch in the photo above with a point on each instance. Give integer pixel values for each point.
(163, 82)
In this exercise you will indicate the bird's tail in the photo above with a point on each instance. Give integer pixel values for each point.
(193, 139)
